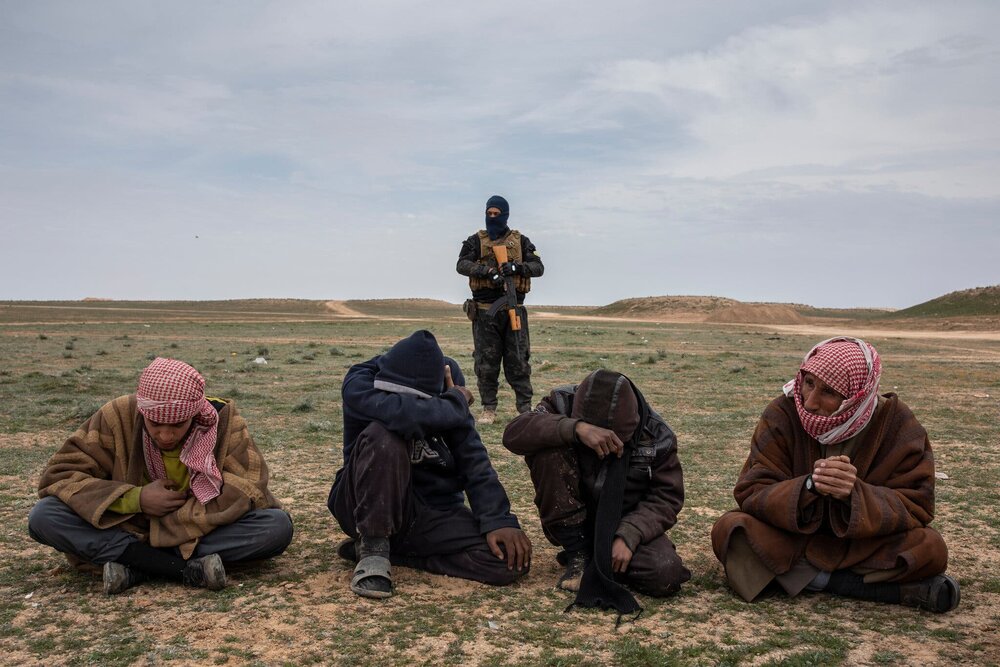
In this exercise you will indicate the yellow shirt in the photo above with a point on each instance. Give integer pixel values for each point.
(177, 473)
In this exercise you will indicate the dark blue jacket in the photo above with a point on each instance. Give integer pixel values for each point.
(459, 465)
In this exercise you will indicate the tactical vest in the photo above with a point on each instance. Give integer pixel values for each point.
(513, 242)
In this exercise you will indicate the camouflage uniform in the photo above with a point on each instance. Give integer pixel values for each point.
(495, 342)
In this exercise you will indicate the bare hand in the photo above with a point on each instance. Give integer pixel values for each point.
(515, 543)
(835, 476)
(449, 383)
(160, 498)
(621, 555)
(603, 441)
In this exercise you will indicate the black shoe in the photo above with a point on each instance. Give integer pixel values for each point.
(576, 563)
(348, 549)
(205, 572)
(939, 594)
(119, 578)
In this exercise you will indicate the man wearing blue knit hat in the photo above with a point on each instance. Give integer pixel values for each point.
(496, 282)
(411, 458)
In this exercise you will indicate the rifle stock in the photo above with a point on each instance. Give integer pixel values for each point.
(500, 251)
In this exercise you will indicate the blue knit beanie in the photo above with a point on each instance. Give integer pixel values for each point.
(496, 201)
(414, 365)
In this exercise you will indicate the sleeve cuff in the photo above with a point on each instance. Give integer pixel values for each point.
(128, 502)
(567, 431)
(843, 514)
(809, 510)
(630, 534)
(505, 522)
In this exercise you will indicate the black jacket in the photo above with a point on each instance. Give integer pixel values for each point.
(457, 463)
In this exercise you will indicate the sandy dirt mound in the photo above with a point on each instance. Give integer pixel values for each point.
(653, 306)
(341, 308)
(756, 313)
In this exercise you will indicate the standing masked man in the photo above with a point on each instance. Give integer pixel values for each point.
(496, 339)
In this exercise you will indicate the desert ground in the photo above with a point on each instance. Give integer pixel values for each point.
(710, 380)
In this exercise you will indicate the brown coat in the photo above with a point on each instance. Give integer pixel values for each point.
(883, 525)
(103, 459)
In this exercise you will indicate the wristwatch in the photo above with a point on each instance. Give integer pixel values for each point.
(810, 486)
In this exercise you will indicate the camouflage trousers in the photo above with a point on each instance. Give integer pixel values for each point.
(496, 344)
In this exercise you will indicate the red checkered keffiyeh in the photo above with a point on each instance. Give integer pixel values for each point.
(171, 391)
(851, 367)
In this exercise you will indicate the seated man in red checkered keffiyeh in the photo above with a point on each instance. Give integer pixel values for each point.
(837, 492)
(163, 482)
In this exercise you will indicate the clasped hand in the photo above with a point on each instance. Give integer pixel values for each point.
(835, 476)
(161, 497)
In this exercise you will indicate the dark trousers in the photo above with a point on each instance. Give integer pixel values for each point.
(495, 344)
(655, 568)
(373, 497)
(256, 535)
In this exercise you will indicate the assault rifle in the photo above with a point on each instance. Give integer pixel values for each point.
(509, 299)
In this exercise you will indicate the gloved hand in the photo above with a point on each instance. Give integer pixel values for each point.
(496, 280)
(510, 268)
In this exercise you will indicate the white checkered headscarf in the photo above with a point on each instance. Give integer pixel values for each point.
(853, 368)
(170, 392)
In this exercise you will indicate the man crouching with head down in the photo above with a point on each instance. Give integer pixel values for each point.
(608, 485)
(164, 482)
(411, 457)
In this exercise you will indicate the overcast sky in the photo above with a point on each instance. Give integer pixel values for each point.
(830, 153)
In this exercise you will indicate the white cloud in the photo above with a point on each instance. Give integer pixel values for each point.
(863, 92)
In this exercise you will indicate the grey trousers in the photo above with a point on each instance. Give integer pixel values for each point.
(257, 535)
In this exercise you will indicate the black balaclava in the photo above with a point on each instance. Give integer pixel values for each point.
(497, 227)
